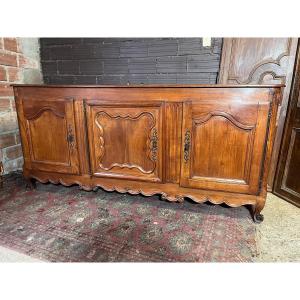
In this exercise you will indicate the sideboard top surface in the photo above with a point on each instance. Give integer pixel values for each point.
(154, 93)
(152, 86)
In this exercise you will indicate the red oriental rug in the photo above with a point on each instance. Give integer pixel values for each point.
(65, 224)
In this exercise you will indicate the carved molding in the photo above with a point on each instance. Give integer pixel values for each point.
(236, 123)
(249, 130)
(148, 191)
(152, 141)
(271, 66)
(282, 78)
(37, 114)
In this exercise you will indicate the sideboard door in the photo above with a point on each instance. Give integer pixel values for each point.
(49, 127)
(223, 145)
(125, 139)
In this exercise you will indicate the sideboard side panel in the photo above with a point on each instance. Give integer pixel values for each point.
(22, 128)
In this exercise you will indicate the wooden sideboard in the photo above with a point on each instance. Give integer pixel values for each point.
(205, 142)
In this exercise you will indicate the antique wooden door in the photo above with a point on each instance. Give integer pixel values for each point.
(125, 139)
(49, 126)
(261, 61)
(223, 145)
(287, 180)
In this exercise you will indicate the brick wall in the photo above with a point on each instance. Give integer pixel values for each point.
(129, 61)
(19, 63)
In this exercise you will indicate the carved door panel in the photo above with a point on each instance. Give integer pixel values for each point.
(223, 145)
(287, 181)
(51, 135)
(125, 140)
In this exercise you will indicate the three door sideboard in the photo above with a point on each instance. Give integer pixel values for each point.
(205, 142)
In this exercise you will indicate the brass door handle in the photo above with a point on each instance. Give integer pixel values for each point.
(70, 137)
(154, 144)
(187, 146)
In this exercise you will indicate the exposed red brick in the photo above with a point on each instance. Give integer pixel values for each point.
(4, 104)
(26, 62)
(14, 74)
(2, 74)
(11, 57)
(7, 140)
(6, 90)
(8, 59)
(10, 44)
(13, 152)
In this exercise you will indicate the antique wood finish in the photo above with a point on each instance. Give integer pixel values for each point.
(125, 140)
(49, 126)
(287, 182)
(261, 61)
(206, 142)
(225, 142)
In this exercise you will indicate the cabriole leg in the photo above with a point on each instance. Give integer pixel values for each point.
(30, 183)
(256, 210)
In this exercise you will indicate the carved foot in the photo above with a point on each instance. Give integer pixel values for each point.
(30, 183)
(257, 208)
(258, 218)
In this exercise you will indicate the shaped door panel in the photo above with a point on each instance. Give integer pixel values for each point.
(223, 145)
(125, 139)
(51, 136)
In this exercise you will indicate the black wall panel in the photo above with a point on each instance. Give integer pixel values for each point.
(129, 61)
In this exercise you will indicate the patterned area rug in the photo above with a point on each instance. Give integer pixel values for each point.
(64, 224)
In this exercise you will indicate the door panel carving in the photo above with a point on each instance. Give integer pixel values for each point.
(41, 138)
(128, 127)
(126, 141)
(221, 131)
(221, 152)
(50, 128)
(255, 60)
